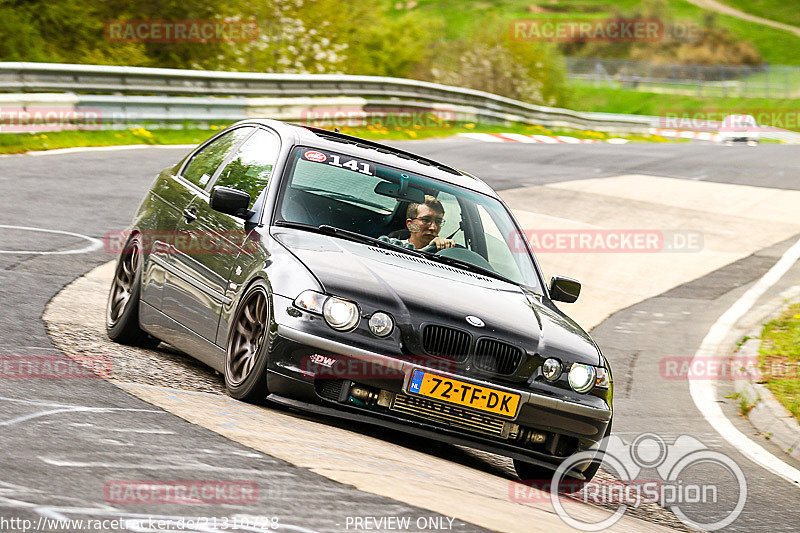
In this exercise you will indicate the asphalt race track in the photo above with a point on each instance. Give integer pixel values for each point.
(63, 440)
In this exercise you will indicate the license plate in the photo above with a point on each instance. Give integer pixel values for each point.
(461, 393)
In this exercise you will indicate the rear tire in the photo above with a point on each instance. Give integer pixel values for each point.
(247, 350)
(122, 309)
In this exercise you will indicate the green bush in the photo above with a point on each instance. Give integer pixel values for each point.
(684, 41)
(491, 61)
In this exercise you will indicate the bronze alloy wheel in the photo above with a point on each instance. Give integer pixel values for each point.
(123, 284)
(247, 338)
(122, 310)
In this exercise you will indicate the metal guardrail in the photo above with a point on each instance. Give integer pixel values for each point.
(110, 80)
(125, 95)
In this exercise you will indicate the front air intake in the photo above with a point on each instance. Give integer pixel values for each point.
(497, 357)
(448, 343)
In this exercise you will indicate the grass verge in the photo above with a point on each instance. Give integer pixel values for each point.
(16, 143)
(779, 112)
(779, 358)
(388, 132)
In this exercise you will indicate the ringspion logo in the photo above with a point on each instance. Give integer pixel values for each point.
(703, 487)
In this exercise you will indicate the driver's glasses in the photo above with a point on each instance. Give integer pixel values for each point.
(438, 221)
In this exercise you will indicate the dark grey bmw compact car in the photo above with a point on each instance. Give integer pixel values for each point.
(279, 255)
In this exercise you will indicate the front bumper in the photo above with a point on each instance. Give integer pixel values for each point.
(563, 425)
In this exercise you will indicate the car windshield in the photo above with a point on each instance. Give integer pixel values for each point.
(326, 188)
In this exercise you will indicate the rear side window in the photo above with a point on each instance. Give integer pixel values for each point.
(204, 163)
(252, 165)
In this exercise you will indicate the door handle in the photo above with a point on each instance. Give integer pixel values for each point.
(190, 214)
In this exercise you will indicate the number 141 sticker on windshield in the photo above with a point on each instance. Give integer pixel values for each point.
(356, 165)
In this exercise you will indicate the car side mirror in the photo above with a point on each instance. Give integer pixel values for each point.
(564, 289)
(231, 202)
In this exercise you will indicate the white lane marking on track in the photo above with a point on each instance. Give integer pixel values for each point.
(59, 151)
(485, 137)
(61, 408)
(145, 431)
(140, 464)
(704, 391)
(95, 244)
(518, 138)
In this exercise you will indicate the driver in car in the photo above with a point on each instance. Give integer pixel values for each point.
(424, 222)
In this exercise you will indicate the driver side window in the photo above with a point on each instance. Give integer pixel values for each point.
(204, 163)
(252, 165)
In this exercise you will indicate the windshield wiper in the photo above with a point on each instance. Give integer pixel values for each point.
(466, 265)
(346, 234)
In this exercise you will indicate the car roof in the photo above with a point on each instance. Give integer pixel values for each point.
(375, 151)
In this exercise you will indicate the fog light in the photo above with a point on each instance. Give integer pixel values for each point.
(581, 377)
(381, 324)
(340, 314)
(551, 369)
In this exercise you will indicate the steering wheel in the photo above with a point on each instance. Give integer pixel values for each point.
(462, 254)
(432, 248)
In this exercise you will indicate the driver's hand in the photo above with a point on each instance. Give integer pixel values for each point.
(442, 243)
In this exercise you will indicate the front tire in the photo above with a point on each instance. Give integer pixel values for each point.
(122, 309)
(247, 349)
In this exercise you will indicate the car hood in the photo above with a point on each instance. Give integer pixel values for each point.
(417, 291)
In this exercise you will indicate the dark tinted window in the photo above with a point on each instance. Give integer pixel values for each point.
(204, 163)
(252, 165)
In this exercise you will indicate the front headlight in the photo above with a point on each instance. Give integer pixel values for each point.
(342, 315)
(582, 377)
